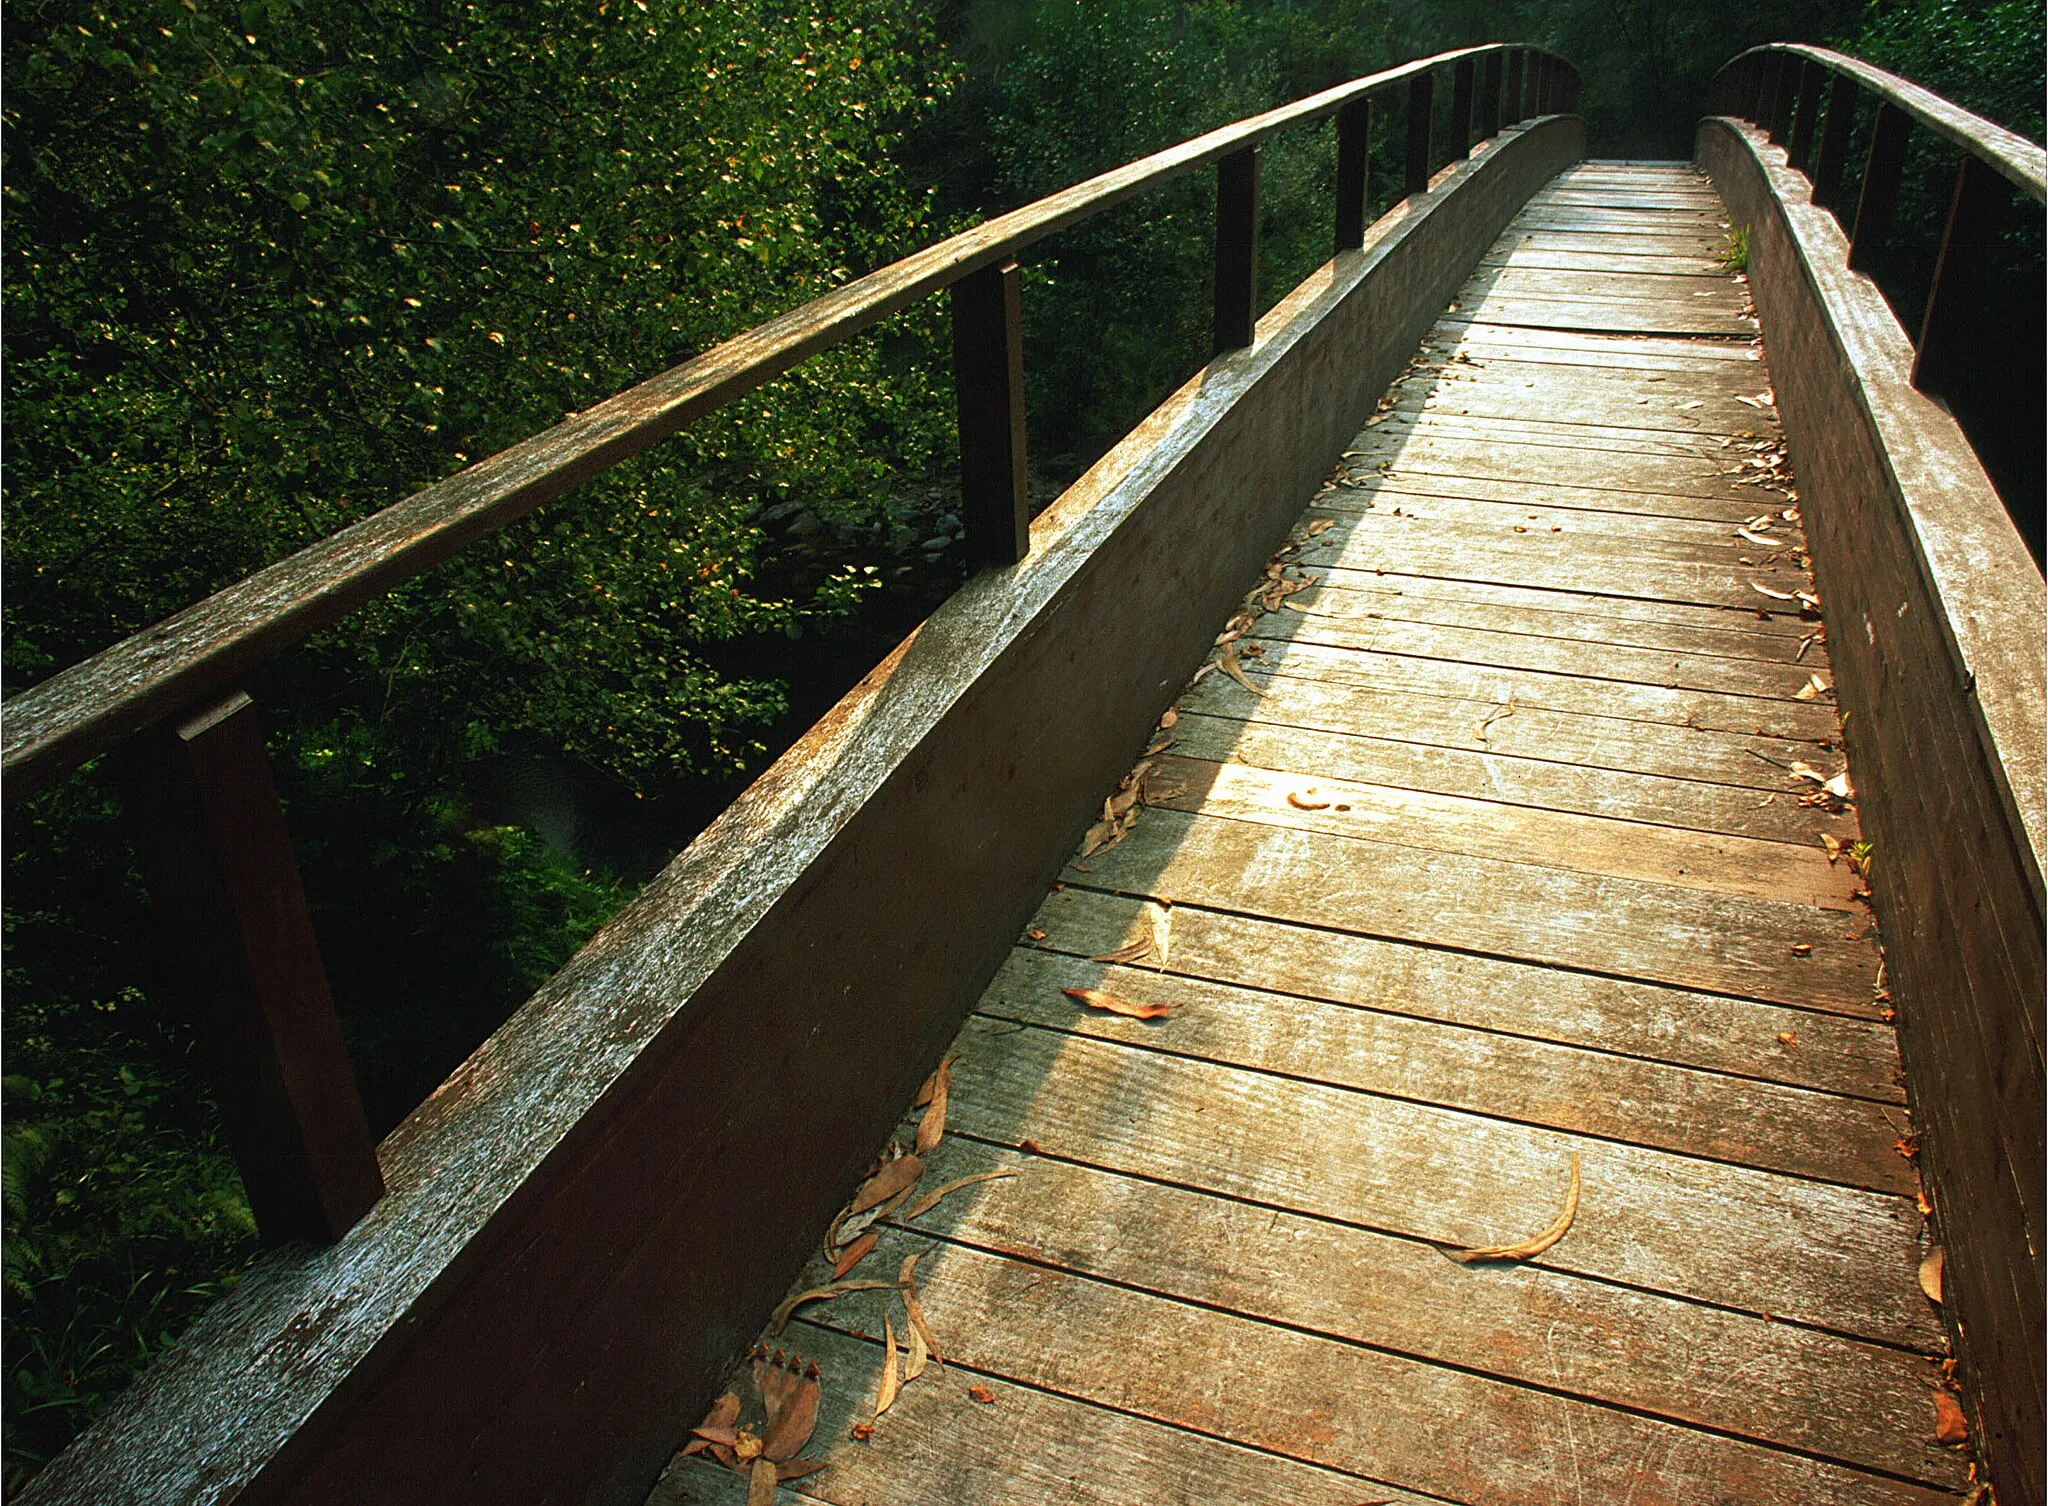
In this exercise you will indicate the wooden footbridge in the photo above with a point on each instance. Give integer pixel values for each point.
(1477, 882)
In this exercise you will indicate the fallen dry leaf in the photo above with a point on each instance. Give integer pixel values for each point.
(912, 1305)
(1530, 1248)
(761, 1478)
(789, 1389)
(1802, 949)
(920, 1355)
(1034, 934)
(861, 1432)
(1306, 800)
(717, 1424)
(1230, 666)
(796, 1469)
(1169, 719)
(1320, 525)
(780, 1318)
(1095, 998)
(1162, 930)
(1949, 1426)
(981, 1394)
(932, 1127)
(1930, 1274)
(1505, 709)
(1764, 590)
(898, 1175)
(1758, 538)
(1129, 952)
(885, 1391)
(932, 1199)
(853, 1255)
(1831, 845)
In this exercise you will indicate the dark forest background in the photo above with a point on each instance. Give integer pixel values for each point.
(270, 266)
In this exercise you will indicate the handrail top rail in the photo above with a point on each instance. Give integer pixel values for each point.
(94, 705)
(2021, 162)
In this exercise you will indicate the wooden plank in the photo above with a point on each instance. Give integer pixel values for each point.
(1437, 417)
(1745, 1240)
(1726, 1371)
(1514, 650)
(1703, 225)
(1567, 840)
(1728, 510)
(1622, 927)
(1579, 347)
(936, 1447)
(1835, 1053)
(1562, 613)
(1531, 391)
(1701, 474)
(1480, 773)
(1354, 596)
(1637, 316)
(1602, 244)
(1737, 1120)
(1787, 729)
(1710, 290)
(1528, 254)
(1303, 1396)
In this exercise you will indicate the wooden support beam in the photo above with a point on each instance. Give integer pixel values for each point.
(1489, 95)
(1237, 249)
(1945, 350)
(1511, 111)
(1834, 142)
(218, 863)
(1354, 161)
(1421, 94)
(1462, 80)
(988, 379)
(1784, 70)
(1806, 125)
(1882, 170)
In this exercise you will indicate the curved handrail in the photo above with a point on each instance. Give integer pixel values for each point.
(2019, 161)
(97, 704)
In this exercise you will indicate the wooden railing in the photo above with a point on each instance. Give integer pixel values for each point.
(1807, 100)
(216, 854)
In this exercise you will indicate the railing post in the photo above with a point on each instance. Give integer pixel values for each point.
(1834, 142)
(1546, 86)
(1880, 196)
(1461, 109)
(988, 383)
(1804, 125)
(1784, 66)
(1511, 110)
(1489, 96)
(218, 863)
(1756, 89)
(1237, 249)
(1529, 75)
(1421, 93)
(1354, 155)
(1960, 274)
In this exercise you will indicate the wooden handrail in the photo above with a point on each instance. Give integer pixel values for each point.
(93, 706)
(205, 812)
(2019, 161)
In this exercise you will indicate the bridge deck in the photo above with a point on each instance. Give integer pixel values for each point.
(1502, 869)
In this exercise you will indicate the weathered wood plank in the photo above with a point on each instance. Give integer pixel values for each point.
(1527, 459)
(1636, 711)
(1711, 291)
(1622, 927)
(1707, 1366)
(1569, 840)
(1747, 1240)
(1712, 1032)
(1484, 773)
(937, 1447)
(1725, 510)
(1527, 253)
(1647, 316)
(1306, 1397)
(1739, 1120)
(1462, 332)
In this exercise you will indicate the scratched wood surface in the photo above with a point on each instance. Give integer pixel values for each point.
(1496, 857)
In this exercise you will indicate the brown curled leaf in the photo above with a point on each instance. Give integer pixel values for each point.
(932, 1200)
(853, 1255)
(1930, 1275)
(932, 1128)
(1307, 800)
(885, 1392)
(780, 1318)
(794, 1415)
(1095, 998)
(796, 1469)
(1950, 1428)
(906, 1281)
(920, 1355)
(1529, 1248)
(761, 1477)
(981, 1394)
(891, 1179)
(717, 1424)
(1130, 952)
(1230, 666)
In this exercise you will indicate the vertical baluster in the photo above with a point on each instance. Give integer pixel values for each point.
(1421, 94)
(1489, 95)
(1756, 88)
(1881, 173)
(1805, 126)
(1834, 142)
(1571, 89)
(988, 382)
(1237, 249)
(1354, 158)
(218, 863)
(1546, 86)
(1511, 111)
(1946, 349)
(1462, 80)
(1784, 68)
